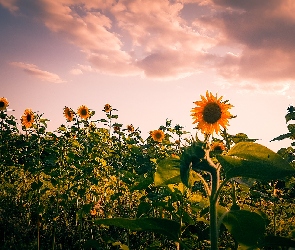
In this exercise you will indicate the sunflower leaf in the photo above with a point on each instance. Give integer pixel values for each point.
(290, 116)
(169, 228)
(252, 160)
(282, 137)
(168, 172)
(246, 227)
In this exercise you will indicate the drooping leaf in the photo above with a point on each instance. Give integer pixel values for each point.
(168, 172)
(246, 227)
(192, 158)
(169, 228)
(282, 137)
(252, 160)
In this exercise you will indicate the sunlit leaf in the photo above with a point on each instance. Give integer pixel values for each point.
(252, 160)
(168, 172)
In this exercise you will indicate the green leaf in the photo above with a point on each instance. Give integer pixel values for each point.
(92, 244)
(282, 137)
(168, 172)
(277, 241)
(192, 158)
(142, 183)
(252, 160)
(290, 116)
(246, 227)
(143, 208)
(169, 228)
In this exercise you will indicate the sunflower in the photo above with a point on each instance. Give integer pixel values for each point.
(211, 113)
(157, 135)
(130, 128)
(83, 112)
(217, 146)
(3, 103)
(93, 212)
(107, 108)
(27, 118)
(68, 114)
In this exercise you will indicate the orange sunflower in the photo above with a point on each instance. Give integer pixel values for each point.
(3, 103)
(217, 146)
(130, 128)
(27, 118)
(68, 114)
(211, 113)
(157, 135)
(107, 108)
(83, 112)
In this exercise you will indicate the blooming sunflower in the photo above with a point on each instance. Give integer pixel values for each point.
(211, 113)
(3, 103)
(83, 112)
(27, 118)
(107, 108)
(68, 114)
(130, 128)
(157, 135)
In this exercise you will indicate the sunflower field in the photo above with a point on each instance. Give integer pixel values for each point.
(98, 184)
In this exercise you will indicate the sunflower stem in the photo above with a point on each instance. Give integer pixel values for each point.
(215, 178)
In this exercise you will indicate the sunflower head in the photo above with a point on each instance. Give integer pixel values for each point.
(69, 114)
(130, 128)
(107, 108)
(157, 135)
(217, 146)
(83, 112)
(3, 103)
(211, 113)
(27, 118)
(93, 212)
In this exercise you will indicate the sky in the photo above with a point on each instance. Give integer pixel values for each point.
(151, 60)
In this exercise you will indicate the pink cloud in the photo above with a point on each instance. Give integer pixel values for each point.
(241, 40)
(33, 70)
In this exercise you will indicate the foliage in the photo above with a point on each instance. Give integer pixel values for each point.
(93, 184)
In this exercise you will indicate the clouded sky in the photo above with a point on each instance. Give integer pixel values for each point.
(151, 59)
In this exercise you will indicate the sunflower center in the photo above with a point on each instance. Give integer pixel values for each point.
(2, 104)
(29, 118)
(84, 112)
(158, 135)
(212, 113)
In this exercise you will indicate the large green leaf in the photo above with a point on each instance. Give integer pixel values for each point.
(246, 227)
(191, 159)
(252, 160)
(168, 172)
(169, 228)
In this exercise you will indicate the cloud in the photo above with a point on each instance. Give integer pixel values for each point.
(33, 70)
(10, 5)
(76, 72)
(263, 31)
(241, 40)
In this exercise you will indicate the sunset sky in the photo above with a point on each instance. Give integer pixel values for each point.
(151, 59)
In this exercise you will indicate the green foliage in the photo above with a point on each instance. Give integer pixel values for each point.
(252, 160)
(245, 226)
(167, 172)
(93, 184)
(169, 228)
